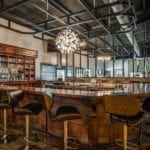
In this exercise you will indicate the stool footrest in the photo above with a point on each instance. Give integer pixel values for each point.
(27, 140)
(72, 143)
(130, 146)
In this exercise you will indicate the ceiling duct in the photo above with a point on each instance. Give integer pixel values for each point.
(122, 20)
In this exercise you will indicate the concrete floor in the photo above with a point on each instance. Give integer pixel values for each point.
(55, 144)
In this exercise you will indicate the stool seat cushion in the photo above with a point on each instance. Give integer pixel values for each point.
(67, 113)
(29, 109)
(135, 119)
(4, 106)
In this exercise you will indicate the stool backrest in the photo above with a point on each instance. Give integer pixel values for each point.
(146, 105)
(14, 97)
(121, 105)
(3, 96)
(48, 102)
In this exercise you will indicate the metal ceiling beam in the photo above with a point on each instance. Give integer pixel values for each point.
(13, 6)
(78, 13)
(88, 21)
(16, 30)
(89, 11)
(61, 21)
(64, 10)
(115, 3)
(84, 6)
(64, 17)
(24, 21)
(125, 19)
(58, 19)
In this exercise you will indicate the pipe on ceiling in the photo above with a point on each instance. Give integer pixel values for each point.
(122, 20)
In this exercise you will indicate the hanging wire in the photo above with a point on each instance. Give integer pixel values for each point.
(109, 19)
(47, 9)
(94, 2)
(109, 23)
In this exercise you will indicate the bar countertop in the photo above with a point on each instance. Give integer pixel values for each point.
(132, 88)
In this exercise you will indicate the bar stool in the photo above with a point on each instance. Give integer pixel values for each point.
(146, 108)
(27, 110)
(4, 105)
(64, 114)
(146, 105)
(125, 110)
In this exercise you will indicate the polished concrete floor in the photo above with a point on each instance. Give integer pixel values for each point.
(37, 144)
(56, 144)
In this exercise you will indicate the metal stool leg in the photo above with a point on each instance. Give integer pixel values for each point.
(125, 137)
(28, 144)
(65, 134)
(4, 137)
(27, 132)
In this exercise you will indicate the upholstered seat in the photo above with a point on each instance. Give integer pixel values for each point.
(29, 109)
(67, 113)
(129, 120)
(4, 106)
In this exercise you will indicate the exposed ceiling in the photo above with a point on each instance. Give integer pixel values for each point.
(120, 28)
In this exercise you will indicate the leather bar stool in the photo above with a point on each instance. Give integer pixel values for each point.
(64, 114)
(146, 105)
(125, 110)
(48, 103)
(146, 122)
(4, 105)
(27, 110)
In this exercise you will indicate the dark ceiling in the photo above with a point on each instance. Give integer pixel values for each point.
(108, 26)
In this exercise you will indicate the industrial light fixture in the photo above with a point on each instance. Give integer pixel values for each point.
(68, 41)
(102, 58)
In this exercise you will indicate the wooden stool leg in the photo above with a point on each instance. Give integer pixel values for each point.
(125, 137)
(65, 134)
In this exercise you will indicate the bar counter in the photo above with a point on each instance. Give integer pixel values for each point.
(23, 83)
(89, 130)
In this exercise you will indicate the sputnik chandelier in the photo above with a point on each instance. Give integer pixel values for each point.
(68, 41)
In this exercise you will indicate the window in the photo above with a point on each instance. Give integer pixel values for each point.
(69, 71)
(79, 72)
(48, 72)
(88, 72)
